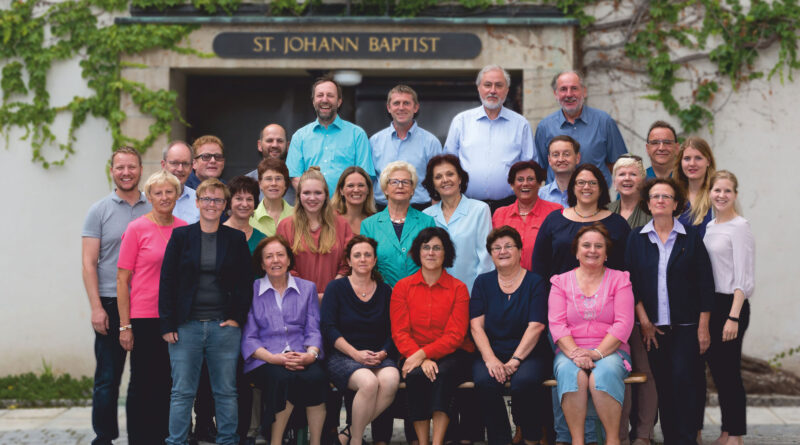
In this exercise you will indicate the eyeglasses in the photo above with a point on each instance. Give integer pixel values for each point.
(584, 183)
(179, 164)
(661, 142)
(659, 197)
(566, 154)
(522, 179)
(400, 182)
(207, 157)
(436, 248)
(208, 201)
(631, 156)
(498, 249)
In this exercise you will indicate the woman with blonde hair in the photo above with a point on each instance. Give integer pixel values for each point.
(694, 165)
(315, 233)
(731, 248)
(354, 198)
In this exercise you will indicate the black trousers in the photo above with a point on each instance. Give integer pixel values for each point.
(725, 361)
(147, 406)
(675, 364)
(425, 397)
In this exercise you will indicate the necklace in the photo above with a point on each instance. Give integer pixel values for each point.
(398, 221)
(363, 295)
(575, 209)
(507, 283)
(158, 227)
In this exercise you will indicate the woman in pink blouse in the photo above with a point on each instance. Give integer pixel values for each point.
(139, 271)
(590, 311)
(318, 235)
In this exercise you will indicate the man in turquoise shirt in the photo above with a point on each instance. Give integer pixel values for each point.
(329, 142)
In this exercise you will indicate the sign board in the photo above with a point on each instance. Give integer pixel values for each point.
(346, 45)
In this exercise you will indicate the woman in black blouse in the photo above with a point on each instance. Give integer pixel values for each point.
(355, 322)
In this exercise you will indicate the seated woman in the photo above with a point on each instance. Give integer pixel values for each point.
(355, 321)
(590, 310)
(354, 199)
(203, 300)
(316, 234)
(281, 342)
(429, 315)
(508, 312)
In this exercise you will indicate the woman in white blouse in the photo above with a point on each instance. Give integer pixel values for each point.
(730, 246)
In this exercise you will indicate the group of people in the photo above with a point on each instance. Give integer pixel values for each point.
(364, 262)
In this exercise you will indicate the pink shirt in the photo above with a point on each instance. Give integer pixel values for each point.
(142, 252)
(316, 267)
(588, 320)
(527, 226)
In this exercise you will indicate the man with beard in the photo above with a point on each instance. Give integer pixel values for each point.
(329, 142)
(101, 238)
(489, 139)
(272, 143)
(177, 159)
(596, 132)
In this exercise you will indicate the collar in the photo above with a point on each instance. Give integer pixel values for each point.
(410, 130)
(535, 210)
(261, 210)
(264, 284)
(187, 193)
(504, 113)
(116, 198)
(677, 227)
(584, 117)
(445, 280)
(337, 122)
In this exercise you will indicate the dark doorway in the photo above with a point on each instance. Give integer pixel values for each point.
(236, 108)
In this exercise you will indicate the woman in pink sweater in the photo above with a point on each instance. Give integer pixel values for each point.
(590, 311)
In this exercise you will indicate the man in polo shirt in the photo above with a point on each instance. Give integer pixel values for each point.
(662, 146)
(101, 238)
(272, 143)
(177, 159)
(330, 142)
(404, 140)
(598, 134)
(489, 139)
(209, 160)
(563, 156)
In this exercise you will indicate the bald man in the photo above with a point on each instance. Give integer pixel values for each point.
(273, 143)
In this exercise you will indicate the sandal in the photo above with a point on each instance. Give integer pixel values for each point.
(346, 433)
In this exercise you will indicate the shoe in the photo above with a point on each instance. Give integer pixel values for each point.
(517, 439)
(206, 434)
(346, 433)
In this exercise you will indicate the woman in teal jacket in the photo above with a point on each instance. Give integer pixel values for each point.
(398, 224)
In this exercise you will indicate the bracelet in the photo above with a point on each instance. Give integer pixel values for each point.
(514, 357)
(736, 319)
(601, 354)
(314, 353)
(125, 328)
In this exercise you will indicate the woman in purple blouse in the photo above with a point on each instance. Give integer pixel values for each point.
(281, 342)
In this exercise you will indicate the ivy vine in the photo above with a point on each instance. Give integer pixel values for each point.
(37, 33)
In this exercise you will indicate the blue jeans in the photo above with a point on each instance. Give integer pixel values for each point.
(220, 348)
(107, 376)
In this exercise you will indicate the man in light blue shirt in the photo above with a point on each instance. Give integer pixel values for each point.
(563, 156)
(329, 142)
(594, 129)
(404, 140)
(177, 159)
(489, 139)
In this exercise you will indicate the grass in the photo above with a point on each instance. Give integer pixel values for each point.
(45, 386)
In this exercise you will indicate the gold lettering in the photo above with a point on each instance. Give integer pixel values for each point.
(257, 47)
(262, 44)
(294, 44)
(423, 45)
(373, 44)
(396, 41)
(352, 43)
(310, 41)
(337, 43)
(323, 45)
(285, 45)
(433, 43)
(384, 46)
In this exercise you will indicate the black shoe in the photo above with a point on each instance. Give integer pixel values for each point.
(206, 433)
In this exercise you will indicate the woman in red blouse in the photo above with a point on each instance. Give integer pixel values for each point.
(528, 211)
(430, 315)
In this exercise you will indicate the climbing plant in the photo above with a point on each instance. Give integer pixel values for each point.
(659, 38)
